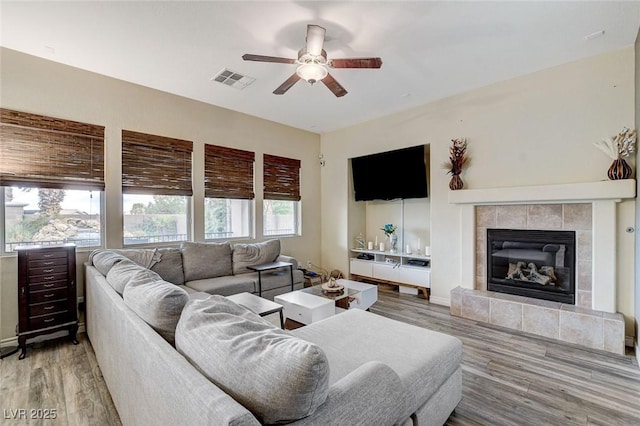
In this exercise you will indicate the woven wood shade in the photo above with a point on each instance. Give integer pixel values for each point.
(228, 172)
(281, 178)
(155, 165)
(47, 152)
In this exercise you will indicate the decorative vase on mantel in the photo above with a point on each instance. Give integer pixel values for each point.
(619, 169)
(455, 183)
(393, 242)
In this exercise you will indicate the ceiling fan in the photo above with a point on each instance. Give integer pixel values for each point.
(313, 63)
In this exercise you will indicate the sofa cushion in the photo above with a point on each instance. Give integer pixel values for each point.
(158, 303)
(169, 265)
(225, 286)
(120, 273)
(104, 260)
(205, 260)
(143, 276)
(254, 254)
(276, 376)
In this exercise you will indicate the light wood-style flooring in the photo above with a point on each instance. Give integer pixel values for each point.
(509, 378)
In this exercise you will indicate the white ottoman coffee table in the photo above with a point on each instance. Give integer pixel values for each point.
(312, 304)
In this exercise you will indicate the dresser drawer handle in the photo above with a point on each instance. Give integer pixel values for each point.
(51, 277)
(47, 255)
(47, 263)
(49, 320)
(48, 271)
(49, 295)
(48, 285)
(48, 308)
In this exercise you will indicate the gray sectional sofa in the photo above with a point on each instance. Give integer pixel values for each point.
(217, 268)
(171, 357)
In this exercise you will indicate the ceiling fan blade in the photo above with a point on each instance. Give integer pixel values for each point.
(356, 63)
(260, 58)
(287, 85)
(334, 86)
(315, 39)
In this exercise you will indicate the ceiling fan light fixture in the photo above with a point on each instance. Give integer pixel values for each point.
(312, 72)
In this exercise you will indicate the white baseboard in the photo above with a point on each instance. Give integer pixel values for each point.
(440, 301)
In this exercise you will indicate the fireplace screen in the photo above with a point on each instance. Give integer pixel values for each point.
(532, 263)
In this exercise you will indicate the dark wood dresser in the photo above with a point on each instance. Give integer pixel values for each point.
(46, 292)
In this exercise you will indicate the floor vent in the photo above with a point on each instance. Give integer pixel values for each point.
(233, 79)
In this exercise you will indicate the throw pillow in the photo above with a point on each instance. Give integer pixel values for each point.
(169, 265)
(158, 303)
(278, 377)
(120, 274)
(254, 254)
(205, 260)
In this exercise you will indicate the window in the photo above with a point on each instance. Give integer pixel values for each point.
(48, 216)
(152, 219)
(51, 180)
(156, 188)
(280, 217)
(228, 187)
(281, 196)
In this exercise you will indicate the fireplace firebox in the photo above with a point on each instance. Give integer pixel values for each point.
(532, 263)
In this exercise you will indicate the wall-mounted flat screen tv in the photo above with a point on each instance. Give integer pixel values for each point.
(390, 175)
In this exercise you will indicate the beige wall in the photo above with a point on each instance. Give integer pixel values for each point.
(535, 129)
(44, 87)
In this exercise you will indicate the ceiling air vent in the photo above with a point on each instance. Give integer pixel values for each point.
(233, 79)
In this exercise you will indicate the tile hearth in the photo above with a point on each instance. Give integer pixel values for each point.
(568, 323)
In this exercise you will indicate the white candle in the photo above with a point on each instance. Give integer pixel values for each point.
(381, 246)
(376, 241)
(427, 251)
(408, 250)
(370, 245)
(419, 245)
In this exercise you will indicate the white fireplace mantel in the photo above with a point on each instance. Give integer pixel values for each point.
(603, 197)
(541, 194)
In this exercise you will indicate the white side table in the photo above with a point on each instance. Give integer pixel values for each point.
(258, 305)
(365, 298)
(305, 308)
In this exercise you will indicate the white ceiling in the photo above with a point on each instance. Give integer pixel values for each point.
(429, 49)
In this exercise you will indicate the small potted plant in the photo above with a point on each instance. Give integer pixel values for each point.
(390, 232)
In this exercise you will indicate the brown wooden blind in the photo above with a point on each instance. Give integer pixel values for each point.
(228, 172)
(281, 178)
(47, 152)
(155, 165)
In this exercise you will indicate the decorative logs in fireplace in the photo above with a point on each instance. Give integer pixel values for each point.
(529, 272)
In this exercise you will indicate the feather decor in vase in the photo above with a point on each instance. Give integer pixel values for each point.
(618, 147)
(457, 159)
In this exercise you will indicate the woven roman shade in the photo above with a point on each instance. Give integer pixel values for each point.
(155, 165)
(47, 152)
(281, 178)
(228, 172)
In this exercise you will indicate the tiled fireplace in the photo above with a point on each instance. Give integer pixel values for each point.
(587, 211)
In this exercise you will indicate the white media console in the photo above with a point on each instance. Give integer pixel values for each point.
(393, 268)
